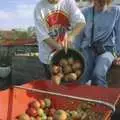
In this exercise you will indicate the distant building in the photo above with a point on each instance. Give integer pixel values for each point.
(11, 38)
(12, 35)
(7, 35)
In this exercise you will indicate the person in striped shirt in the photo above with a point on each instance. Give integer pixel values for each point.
(99, 41)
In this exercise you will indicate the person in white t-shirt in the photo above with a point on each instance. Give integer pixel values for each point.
(56, 22)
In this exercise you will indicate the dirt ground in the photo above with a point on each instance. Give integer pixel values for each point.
(26, 68)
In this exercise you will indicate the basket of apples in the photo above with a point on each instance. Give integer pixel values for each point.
(67, 67)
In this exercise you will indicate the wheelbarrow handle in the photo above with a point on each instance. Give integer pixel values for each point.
(109, 105)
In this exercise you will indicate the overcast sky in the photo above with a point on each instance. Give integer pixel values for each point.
(16, 13)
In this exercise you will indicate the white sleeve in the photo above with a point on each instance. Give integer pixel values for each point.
(76, 15)
(40, 25)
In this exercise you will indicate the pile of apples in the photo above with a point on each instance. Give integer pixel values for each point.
(67, 69)
(44, 110)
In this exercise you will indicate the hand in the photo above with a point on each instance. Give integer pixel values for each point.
(116, 61)
(68, 41)
(59, 47)
(64, 42)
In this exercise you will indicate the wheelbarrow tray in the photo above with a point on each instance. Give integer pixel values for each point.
(14, 101)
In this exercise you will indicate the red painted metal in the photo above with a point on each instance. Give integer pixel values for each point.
(18, 42)
(14, 101)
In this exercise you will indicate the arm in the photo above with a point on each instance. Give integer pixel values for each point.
(77, 20)
(78, 39)
(76, 30)
(42, 31)
(117, 40)
(53, 44)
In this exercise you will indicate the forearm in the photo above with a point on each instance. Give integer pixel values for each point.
(52, 43)
(77, 29)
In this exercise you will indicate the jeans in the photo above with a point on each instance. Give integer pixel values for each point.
(96, 67)
(47, 73)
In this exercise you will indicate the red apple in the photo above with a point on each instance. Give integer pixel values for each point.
(35, 104)
(42, 103)
(24, 116)
(52, 111)
(32, 112)
(46, 110)
(38, 118)
(55, 69)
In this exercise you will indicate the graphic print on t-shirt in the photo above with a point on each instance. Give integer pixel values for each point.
(58, 23)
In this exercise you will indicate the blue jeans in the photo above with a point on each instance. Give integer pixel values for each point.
(96, 67)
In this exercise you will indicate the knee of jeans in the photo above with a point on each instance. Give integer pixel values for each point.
(108, 56)
(99, 79)
(98, 75)
(84, 79)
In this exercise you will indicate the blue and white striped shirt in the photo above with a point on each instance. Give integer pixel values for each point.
(106, 28)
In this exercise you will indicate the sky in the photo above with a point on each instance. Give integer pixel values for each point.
(16, 13)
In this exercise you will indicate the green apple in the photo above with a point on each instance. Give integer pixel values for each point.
(40, 112)
(47, 102)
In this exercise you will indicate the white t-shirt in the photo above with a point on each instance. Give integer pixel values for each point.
(52, 20)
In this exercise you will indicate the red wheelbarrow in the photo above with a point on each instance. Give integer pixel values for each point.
(15, 100)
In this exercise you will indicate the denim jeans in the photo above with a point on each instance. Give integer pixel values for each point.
(47, 73)
(96, 67)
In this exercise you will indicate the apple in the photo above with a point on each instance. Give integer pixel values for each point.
(42, 103)
(55, 69)
(52, 111)
(77, 65)
(32, 112)
(63, 62)
(49, 118)
(74, 114)
(46, 110)
(38, 118)
(35, 104)
(60, 115)
(40, 112)
(56, 79)
(32, 118)
(44, 116)
(47, 102)
(24, 116)
(70, 60)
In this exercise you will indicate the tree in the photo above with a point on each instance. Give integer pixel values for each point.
(31, 31)
(1, 36)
